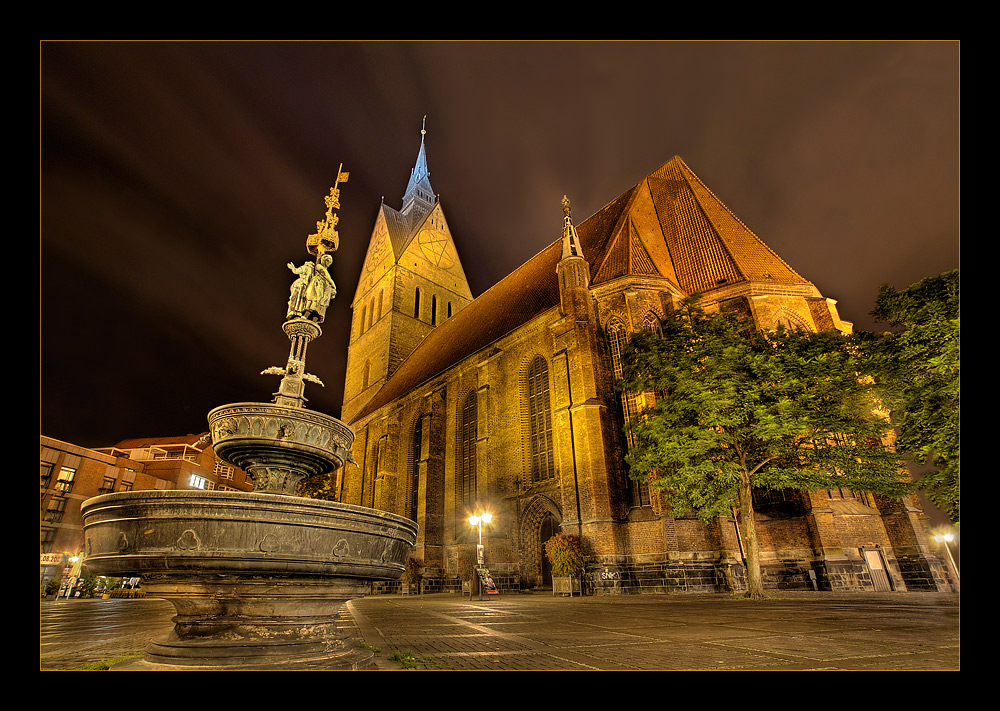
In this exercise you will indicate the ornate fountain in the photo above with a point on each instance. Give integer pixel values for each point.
(257, 579)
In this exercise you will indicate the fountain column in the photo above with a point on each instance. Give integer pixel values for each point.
(258, 579)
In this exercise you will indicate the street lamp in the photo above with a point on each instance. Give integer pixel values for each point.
(478, 520)
(947, 538)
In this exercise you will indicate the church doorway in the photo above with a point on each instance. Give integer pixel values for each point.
(877, 569)
(549, 527)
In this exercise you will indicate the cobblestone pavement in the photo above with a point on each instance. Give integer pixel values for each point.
(792, 631)
(73, 633)
(795, 631)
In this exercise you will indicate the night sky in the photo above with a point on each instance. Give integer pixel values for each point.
(178, 179)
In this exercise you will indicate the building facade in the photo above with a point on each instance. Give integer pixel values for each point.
(506, 402)
(71, 474)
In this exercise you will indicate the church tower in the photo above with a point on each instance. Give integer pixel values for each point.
(411, 282)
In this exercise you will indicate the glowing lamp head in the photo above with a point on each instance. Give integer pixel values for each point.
(484, 517)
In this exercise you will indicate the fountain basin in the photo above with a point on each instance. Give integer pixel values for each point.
(278, 445)
(257, 579)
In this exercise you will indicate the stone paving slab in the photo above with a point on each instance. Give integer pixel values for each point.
(683, 632)
(793, 631)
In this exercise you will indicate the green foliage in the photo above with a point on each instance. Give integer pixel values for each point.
(739, 408)
(88, 585)
(107, 584)
(412, 573)
(317, 487)
(407, 659)
(105, 664)
(565, 554)
(919, 369)
(52, 586)
(787, 409)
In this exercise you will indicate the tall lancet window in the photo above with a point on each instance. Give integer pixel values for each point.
(467, 450)
(540, 421)
(618, 340)
(418, 442)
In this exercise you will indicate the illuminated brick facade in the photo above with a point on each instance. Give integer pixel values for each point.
(507, 403)
(70, 474)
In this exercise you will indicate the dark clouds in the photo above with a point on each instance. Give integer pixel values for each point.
(177, 179)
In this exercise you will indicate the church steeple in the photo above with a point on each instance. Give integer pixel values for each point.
(411, 282)
(419, 193)
(573, 271)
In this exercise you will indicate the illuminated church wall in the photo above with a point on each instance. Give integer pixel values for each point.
(510, 405)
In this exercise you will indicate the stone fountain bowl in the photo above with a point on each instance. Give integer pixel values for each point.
(257, 579)
(278, 445)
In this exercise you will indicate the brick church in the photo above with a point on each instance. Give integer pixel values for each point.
(506, 402)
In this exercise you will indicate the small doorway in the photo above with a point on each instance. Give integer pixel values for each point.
(877, 568)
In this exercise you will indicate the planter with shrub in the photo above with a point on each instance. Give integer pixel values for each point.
(566, 556)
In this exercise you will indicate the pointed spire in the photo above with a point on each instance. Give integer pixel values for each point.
(419, 188)
(570, 241)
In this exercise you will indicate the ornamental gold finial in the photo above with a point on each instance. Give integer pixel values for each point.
(326, 238)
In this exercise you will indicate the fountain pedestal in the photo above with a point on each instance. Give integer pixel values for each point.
(257, 579)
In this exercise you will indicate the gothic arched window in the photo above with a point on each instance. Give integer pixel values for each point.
(618, 339)
(418, 442)
(540, 421)
(652, 323)
(467, 450)
(416, 303)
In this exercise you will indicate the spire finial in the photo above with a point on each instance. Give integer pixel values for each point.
(419, 189)
(571, 243)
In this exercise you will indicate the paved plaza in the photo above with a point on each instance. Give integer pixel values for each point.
(792, 631)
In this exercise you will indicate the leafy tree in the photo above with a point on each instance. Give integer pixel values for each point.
(739, 408)
(919, 369)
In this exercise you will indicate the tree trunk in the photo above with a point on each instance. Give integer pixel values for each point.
(748, 527)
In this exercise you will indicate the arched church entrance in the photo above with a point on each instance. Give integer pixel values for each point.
(540, 520)
(550, 527)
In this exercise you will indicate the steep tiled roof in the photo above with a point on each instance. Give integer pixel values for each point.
(708, 244)
(398, 225)
(669, 224)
